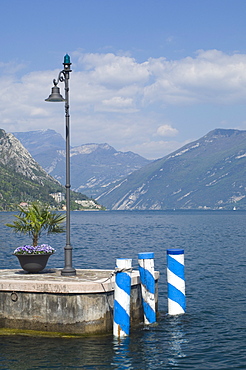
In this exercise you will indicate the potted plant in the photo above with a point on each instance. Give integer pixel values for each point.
(33, 220)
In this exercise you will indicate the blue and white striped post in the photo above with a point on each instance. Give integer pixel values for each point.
(176, 282)
(122, 293)
(147, 278)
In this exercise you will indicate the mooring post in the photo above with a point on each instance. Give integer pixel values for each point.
(122, 293)
(147, 279)
(176, 282)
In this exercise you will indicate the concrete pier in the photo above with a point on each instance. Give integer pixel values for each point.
(81, 304)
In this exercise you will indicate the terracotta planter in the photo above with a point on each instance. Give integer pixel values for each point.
(33, 262)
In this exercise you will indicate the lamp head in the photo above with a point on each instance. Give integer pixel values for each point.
(55, 95)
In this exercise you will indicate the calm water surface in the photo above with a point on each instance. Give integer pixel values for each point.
(212, 333)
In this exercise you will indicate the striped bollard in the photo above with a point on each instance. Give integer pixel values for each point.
(146, 271)
(122, 293)
(176, 282)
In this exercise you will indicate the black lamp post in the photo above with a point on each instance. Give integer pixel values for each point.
(55, 96)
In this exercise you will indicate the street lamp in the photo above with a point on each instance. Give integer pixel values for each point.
(55, 96)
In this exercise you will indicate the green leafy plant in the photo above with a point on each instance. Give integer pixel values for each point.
(36, 219)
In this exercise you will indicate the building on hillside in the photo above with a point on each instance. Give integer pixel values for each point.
(23, 204)
(88, 204)
(59, 197)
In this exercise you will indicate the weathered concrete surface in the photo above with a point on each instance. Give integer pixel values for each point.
(47, 301)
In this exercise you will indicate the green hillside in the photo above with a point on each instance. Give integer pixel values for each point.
(16, 188)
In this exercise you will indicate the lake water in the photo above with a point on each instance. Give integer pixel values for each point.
(212, 333)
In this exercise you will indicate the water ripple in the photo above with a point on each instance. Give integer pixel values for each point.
(211, 335)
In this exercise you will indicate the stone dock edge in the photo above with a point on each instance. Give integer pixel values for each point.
(47, 303)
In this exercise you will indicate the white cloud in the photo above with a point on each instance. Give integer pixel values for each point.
(166, 130)
(11, 67)
(115, 99)
(211, 76)
(112, 70)
(117, 104)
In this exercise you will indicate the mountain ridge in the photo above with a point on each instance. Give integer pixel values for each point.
(208, 173)
(94, 167)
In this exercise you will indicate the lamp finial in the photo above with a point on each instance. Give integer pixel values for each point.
(66, 59)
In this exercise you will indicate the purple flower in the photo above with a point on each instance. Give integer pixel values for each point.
(39, 249)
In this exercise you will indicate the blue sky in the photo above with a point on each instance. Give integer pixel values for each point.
(148, 76)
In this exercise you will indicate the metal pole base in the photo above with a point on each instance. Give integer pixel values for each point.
(68, 271)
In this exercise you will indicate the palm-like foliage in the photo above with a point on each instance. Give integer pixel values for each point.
(35, 219)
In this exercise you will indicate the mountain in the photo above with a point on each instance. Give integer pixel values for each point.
(94, 167)
(22, 179)
(206, 174)
(40, 141)
(46, 147)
